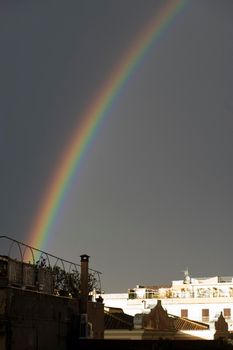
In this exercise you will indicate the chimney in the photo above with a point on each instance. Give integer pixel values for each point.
(84, 283)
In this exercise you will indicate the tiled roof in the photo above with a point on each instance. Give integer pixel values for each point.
(182, 323)
(117, 320)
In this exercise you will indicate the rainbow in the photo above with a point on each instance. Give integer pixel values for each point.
(93, 118)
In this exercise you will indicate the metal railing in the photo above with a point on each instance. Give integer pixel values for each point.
(45, 260)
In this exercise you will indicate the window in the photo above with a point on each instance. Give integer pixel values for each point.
(184, 313)
(205, 315)
(132, 294)
(227, 314)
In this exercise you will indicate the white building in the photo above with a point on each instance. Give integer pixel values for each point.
(199, 299)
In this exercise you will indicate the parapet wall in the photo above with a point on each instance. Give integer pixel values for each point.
(36, 321)
(32, 320)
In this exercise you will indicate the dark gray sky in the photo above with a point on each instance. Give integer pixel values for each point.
(154, 194)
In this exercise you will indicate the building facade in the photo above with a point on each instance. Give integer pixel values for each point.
(45, 307)
(198, 299)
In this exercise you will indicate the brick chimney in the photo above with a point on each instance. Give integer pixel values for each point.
(84, 283)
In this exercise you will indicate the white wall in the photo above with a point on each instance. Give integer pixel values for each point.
(172, 305)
